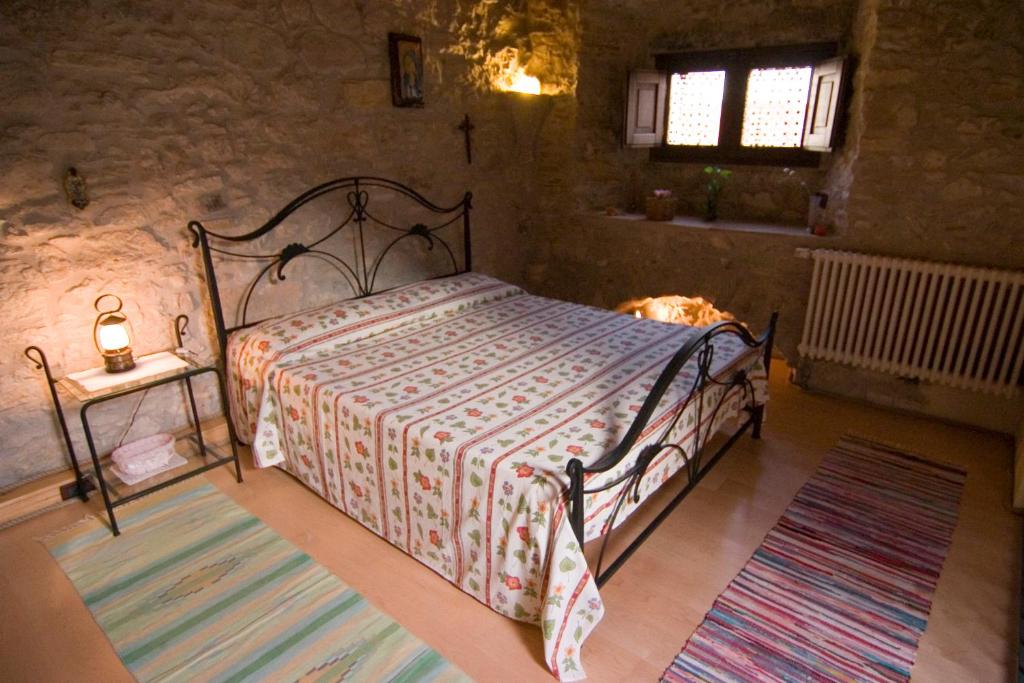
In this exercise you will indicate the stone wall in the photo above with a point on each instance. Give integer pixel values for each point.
(220, 111)
(939, 172)
(651, 259)
(930, 169)
(936, 169)
(616, 40)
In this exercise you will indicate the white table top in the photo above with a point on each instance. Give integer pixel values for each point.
(96, 382)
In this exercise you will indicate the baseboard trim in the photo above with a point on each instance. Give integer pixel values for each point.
(35, 497)
(44, 494)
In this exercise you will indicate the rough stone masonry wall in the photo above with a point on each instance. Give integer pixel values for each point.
(931, 167)
(937, 170)
(602, 261)
(618, 39)
(219, 111)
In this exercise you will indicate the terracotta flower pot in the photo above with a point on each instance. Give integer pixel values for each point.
(660, 208)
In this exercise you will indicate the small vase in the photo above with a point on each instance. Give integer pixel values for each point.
(816, 209)
(711, 209)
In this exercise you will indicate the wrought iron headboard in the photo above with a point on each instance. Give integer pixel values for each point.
(361, 273)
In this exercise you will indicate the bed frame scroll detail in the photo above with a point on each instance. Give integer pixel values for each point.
(697, 466)
(358, 269)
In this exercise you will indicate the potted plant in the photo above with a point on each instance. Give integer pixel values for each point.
(717, 177)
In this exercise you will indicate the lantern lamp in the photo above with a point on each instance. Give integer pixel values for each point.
(112, 334)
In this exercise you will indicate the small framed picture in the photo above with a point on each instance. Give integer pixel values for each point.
(406, 54)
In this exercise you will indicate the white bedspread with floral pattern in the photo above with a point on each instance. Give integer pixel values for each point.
(441, 416)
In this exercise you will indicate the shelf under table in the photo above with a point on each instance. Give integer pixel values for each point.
(188, 448)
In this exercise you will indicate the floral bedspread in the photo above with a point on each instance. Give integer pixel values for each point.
(441, 416)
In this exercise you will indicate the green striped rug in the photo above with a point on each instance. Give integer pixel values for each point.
(196, 588)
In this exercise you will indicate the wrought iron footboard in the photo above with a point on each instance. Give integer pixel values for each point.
(701, 349)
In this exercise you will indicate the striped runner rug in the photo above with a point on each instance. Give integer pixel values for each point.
(841, 588)
(196, 588)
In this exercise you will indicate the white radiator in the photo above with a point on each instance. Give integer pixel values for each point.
(941, 323)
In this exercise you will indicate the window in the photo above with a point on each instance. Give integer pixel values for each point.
(774, 108)
(761, 105)
(695, 108)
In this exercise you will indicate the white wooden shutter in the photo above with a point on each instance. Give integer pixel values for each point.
(645, 108)
(823, 105)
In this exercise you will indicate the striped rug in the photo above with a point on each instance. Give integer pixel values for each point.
(196, 588)
(841, 588)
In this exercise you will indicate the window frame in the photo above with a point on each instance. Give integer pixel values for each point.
(737, 64)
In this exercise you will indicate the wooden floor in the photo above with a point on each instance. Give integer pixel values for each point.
(47, 634)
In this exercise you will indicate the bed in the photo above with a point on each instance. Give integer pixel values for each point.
(487, 432)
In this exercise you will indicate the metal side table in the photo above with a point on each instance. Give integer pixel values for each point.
(200, 456)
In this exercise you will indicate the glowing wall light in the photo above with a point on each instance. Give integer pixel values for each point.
(511, 76)
(520, 81)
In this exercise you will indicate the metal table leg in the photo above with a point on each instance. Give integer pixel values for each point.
(82, 484)
(99, 470)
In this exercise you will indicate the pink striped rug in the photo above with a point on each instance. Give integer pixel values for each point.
(841, 588)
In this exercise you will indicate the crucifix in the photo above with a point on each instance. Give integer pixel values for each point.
(467, 127)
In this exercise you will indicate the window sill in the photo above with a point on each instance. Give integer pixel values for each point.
(719, 225)
(743, 156)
